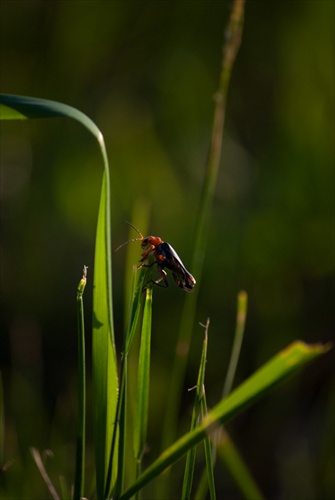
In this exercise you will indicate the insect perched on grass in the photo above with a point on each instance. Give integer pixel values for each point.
(165, 258)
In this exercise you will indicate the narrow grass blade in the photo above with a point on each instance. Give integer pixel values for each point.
(117, 455)
(233, 36)
(229, 455)
(139, 217)
(135, 309)
(284, 364)
(239, 473)
(64, 489)
(121, 413)
(231, 458)
(242, 304)
(196, 413)
(104, 368)
(208, 455)
(207, 441)
(40, 465)
(81, 430)
(142, 403)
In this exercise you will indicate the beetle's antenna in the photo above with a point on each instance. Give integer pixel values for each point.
(126, 243)
(132, 225)
(133, 239)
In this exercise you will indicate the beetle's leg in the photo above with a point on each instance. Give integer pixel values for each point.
(147, 252)
(157, 282)
(164, 275)
(146, 265)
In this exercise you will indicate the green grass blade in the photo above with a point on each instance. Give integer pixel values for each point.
(65, 491)
(81, 431)
(236, 466)
(242, 300)
(231, 458)
(121, 413)
(104, 370)
(230, 49)
(142, 403)
(117, 455)
(139, 217)
(200, 393)
(207, 440)
(284, 364)
(135, 309)
(17, 107)
(242, 303)
(208, 455)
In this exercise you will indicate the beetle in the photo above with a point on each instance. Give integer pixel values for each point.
(165, 258)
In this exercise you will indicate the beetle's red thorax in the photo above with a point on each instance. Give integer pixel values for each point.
(151, 240)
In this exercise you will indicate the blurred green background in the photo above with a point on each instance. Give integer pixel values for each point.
(146, 73)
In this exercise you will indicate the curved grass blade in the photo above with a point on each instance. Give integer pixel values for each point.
(40, 465)
(280, 367)
(104, 372)
(17, 107)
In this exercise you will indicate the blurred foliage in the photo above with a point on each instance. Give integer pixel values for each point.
(146, 72)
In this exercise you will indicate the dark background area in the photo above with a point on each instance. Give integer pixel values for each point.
(146, 73)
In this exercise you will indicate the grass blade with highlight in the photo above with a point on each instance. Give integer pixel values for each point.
(279, 368)
(104, 373)
(104, 369)
(142, 403)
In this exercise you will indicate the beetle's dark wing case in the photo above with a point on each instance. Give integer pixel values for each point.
(169, 253)
(182, 277)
